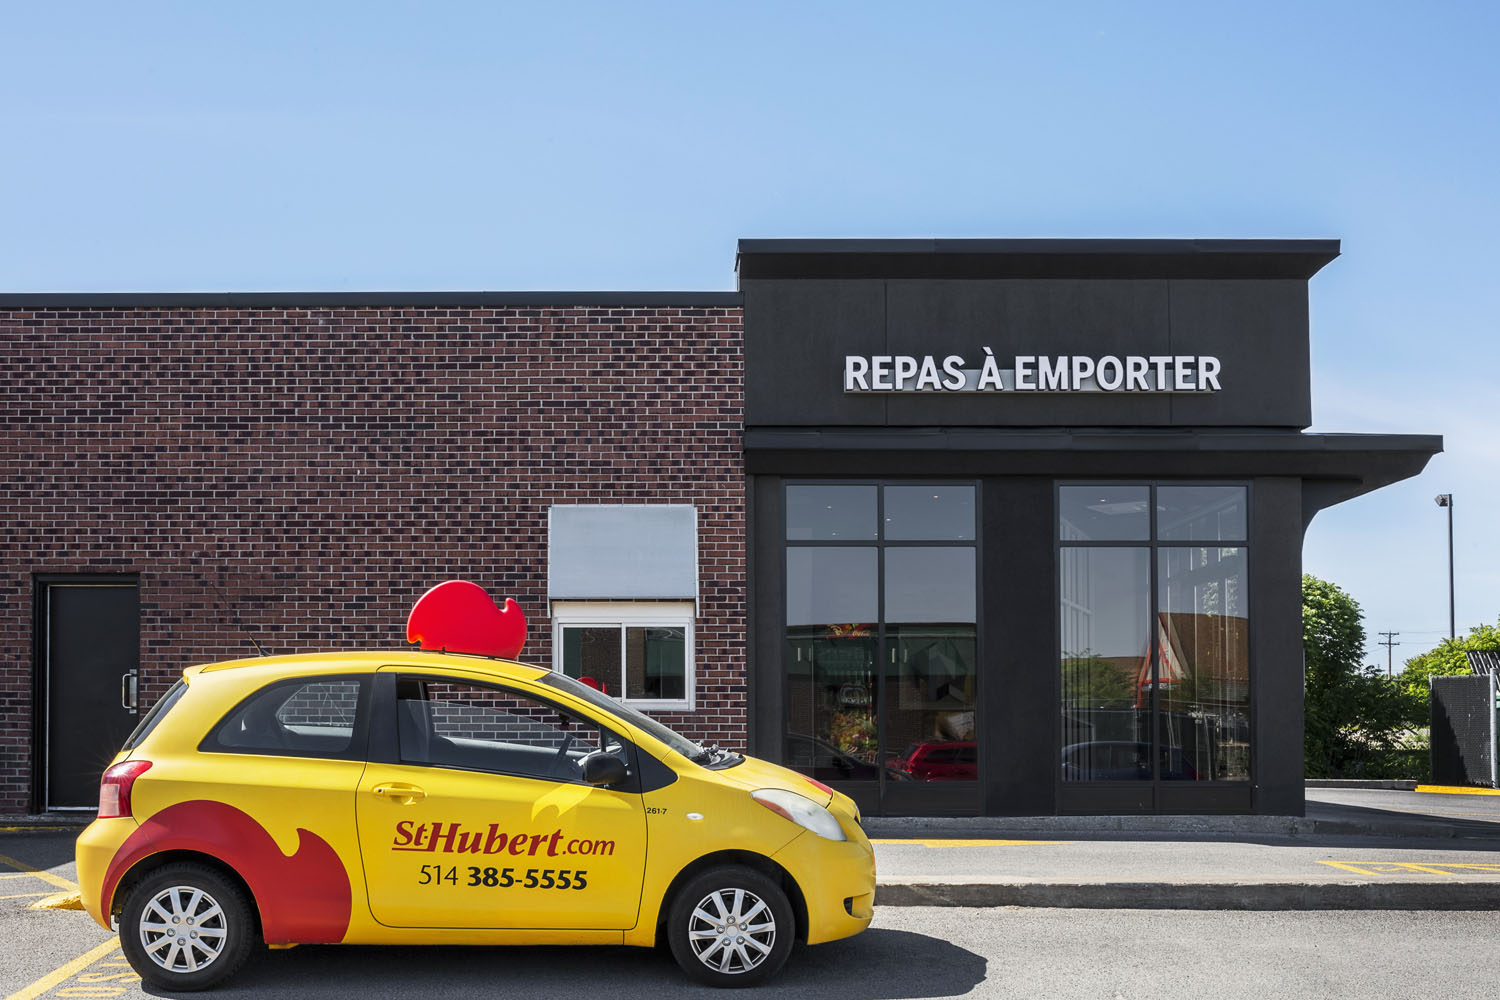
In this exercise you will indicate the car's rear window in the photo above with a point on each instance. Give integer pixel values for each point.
(303, 717)
(158, 712)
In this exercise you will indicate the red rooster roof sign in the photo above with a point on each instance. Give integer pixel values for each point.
(457, 616)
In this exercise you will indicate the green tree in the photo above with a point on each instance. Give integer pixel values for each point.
(1448, 659)
(1356, 721)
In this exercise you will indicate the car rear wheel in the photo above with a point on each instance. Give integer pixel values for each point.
(186, 927)
(731, 926)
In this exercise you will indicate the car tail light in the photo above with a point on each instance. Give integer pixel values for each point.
(819, 786)
(114, 787)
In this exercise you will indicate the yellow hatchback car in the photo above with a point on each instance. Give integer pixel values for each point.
(433, 798)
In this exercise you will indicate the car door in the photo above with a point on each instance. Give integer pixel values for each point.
(479, 816)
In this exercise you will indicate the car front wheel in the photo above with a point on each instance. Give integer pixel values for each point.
(186, 927)
(731, 926)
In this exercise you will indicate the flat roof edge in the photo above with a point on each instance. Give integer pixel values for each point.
(1008, 246)
(224, 300)
(1085, 438)
(1002, 258)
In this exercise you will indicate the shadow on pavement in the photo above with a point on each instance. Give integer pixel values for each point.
(876, 965)
(1414, 821)
(40, 848)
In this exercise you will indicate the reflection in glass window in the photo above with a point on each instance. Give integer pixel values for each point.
(929, 585)
(929, 513)
(831, 513)
(637, 652)
(830, 585)
(312, 718)
(592, 655)
(931, 669)
(832, 618)
(1204, 663)
(1104, 513)
(1200, 513)
(851, 675)
(1106, 664)
(653, 660)
(1155, 685)
(655, 663)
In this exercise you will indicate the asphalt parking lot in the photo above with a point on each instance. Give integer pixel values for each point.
(909, 952)
(930, 951)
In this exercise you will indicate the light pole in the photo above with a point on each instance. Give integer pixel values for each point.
(1446, 500)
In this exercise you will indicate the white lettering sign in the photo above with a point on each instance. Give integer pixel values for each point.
(1032, 373)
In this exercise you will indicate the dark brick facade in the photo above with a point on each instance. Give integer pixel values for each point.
(324, 466)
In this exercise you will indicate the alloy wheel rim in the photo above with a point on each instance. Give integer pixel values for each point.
(183, 929)
(732, 931)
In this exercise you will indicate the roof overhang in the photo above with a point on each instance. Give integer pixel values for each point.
(1333, 467)
(934, 258)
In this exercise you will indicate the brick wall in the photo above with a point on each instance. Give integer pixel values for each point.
(325, 466)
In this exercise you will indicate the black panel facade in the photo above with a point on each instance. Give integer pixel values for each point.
(1155, 668)
(799, 330)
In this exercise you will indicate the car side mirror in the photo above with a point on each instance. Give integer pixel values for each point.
(604, 769)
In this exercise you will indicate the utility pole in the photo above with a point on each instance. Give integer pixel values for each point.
(1446, 500)
(1390, 640)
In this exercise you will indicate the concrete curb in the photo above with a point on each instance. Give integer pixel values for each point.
(1198, 896)
(1174, 827)
(33, 821)
(1390, 784)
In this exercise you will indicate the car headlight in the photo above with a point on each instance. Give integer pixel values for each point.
(800, 810)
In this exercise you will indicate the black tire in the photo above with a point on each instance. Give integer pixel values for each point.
(720, 958)
(189, 963)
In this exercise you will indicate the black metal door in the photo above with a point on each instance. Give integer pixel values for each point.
(91, 653)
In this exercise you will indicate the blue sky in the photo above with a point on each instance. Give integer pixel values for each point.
(627, 146)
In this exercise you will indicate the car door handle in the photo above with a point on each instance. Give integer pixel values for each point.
(405, 794)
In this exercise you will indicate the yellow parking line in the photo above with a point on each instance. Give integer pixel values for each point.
(26, 869)
(26, 895)
(969, 843)
(1457, 790)
(28, 829)
(66, 971)
(1404, 867)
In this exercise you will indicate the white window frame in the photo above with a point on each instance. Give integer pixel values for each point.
(632, 614)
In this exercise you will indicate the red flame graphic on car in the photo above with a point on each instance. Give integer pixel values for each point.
(458, 617)
(304, 898)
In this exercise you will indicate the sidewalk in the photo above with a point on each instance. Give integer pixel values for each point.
(1357, 848)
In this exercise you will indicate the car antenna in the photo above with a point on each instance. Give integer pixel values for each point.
(224, 599)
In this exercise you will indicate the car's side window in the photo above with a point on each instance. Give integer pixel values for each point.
(475, 727)
(305, 717)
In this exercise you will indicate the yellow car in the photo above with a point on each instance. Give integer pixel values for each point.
(434, 798)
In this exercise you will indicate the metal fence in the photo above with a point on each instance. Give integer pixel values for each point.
(1464, 723)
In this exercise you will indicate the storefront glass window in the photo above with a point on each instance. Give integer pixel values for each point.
(1200, 513)
(1155, 677)
(931, 669)
(1204, 663)
(833, 610)
(929, 513)
(882, 639)
(1105, 513)
(832, 513)
(1106, 664)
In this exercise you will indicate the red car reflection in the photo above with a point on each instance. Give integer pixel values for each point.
(938, 760)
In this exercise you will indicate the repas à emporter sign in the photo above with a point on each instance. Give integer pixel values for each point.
(1032, 373)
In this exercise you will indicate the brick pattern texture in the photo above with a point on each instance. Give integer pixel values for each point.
(322, 467)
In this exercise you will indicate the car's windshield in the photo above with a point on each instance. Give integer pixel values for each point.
(645, 723)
